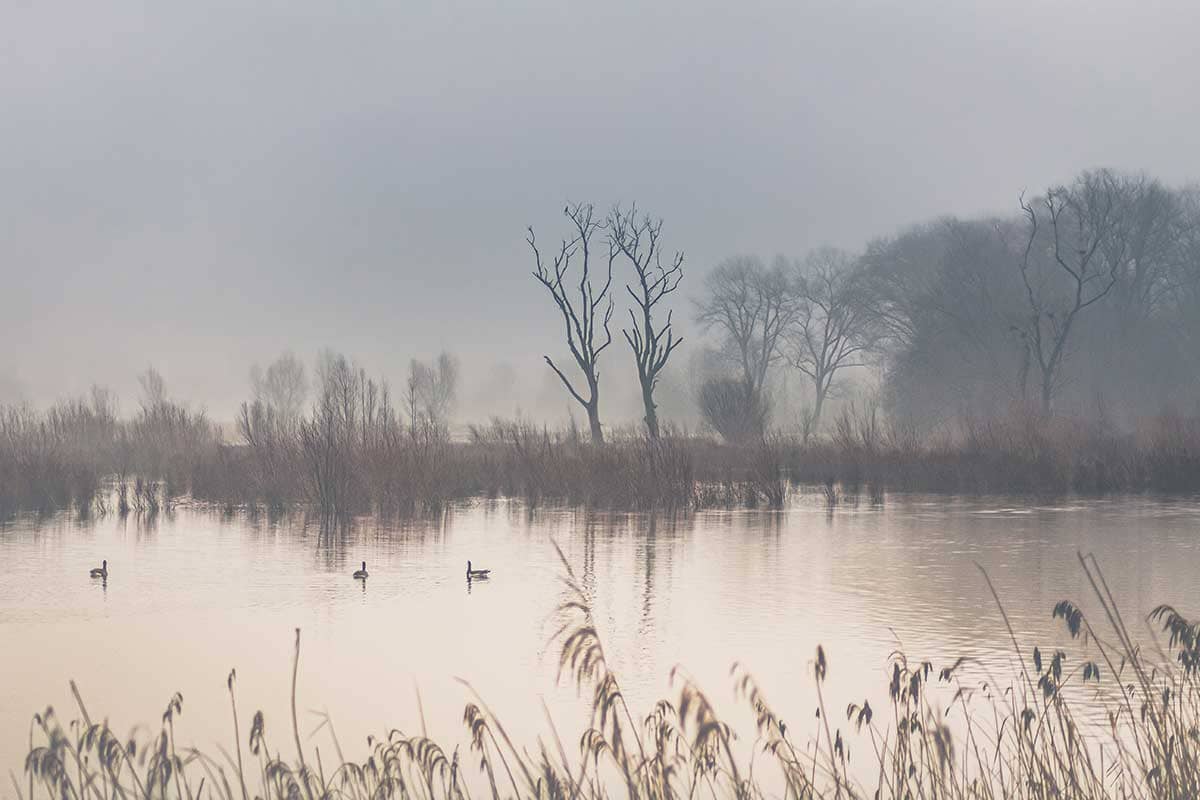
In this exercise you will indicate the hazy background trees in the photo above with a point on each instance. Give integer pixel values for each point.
(1087, 248)
(165, 432)
(749, 308)
(811, 314)
(1080, 304)
(833, 328)
(432, 391)
(945, 296)
(153, 390)
(282, 387)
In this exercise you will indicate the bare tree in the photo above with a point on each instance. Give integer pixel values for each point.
(1146, 249)
(639, 240)
(154, 389)
(580, 316)
(326, 439)
(413, 397)
(352, 426)
(752, 307)
(1082, 219)
(1186, 299)
(282, 387)
(432, 391)
(832, 329)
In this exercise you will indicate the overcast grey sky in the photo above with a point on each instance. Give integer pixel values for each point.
(201, 185)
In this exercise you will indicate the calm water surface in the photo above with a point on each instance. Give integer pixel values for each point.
(194, 593)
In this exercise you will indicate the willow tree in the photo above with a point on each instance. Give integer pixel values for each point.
(585, 305)
(652, 341)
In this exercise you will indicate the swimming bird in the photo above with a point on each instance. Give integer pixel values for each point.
(476, 573)
(100, 571)
(361, 573)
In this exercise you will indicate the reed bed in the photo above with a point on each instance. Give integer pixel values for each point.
(342, 461)
(80, 455)
(1027, 741)
(1014, 454)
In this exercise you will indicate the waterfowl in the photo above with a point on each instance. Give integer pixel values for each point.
(361, 573)
(476, 573)
(100, 571)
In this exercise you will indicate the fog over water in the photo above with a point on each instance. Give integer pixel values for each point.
(202, 187)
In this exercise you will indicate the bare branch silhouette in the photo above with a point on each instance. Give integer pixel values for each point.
(833, 329)
(639, 240)
(1083, 213)
(580, 316)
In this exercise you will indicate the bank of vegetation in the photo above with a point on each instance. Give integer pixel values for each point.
(342, 461)
(1052, 350)
(946, 731)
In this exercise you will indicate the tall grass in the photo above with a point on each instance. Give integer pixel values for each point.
(355, 454)
(64, 457)
(1019, 453)
(1029, 740)
(57, 458)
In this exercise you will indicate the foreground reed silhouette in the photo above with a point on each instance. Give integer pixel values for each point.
(1028, 741)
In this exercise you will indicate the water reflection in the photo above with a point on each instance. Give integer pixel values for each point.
(199, 592)
(650, 557)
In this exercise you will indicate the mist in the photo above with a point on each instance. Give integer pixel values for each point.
(201, 190)
(401, 369)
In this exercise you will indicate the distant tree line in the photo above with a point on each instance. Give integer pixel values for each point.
(348, 444)
(1085, 301)
(279, 393)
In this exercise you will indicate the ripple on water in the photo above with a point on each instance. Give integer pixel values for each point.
(195, 593)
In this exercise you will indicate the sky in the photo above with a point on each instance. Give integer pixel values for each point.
(202, 186)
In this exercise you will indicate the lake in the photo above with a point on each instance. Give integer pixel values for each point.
(194, 593)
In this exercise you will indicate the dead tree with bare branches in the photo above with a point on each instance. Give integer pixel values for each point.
(640, 241)
(585, 317)
(1082, 219)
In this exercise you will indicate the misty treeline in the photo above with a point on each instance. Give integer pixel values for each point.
(1051, 350)
(357, 446)
(352, 448)
(1084, 303)
(62, 456)
(334, 437)
(361, 404)
(361, 450)
(298, 437)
